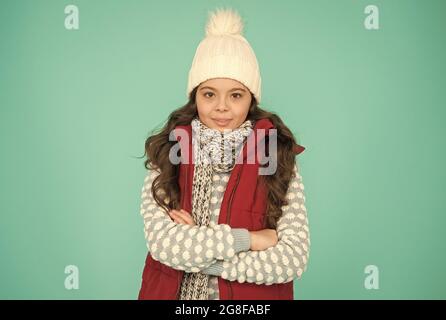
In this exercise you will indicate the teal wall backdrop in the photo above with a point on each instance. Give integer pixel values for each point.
(77, 105)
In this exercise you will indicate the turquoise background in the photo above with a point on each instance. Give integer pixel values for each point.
(77, 105)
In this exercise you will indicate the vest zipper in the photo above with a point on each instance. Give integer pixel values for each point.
(228, 218)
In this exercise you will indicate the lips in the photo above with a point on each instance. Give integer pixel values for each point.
(222, 122)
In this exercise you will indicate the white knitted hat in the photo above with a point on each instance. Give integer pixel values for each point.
(225, 53)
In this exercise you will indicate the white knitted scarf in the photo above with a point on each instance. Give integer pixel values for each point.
(213, 151)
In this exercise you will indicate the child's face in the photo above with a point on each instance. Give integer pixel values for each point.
(222, 103)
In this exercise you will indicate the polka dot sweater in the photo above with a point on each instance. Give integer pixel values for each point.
(222, 251)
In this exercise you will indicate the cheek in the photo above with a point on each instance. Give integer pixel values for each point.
(203, 107)
(241, 112)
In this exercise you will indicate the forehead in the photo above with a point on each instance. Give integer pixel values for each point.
(222, 84)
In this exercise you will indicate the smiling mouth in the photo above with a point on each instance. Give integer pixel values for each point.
(222, 121)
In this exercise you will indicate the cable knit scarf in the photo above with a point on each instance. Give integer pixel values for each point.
(213, 151)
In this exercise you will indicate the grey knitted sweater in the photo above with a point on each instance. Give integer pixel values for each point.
(219, 250)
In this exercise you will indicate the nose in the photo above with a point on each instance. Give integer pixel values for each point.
(221, 105)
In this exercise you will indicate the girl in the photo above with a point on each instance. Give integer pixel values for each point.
(217, 226)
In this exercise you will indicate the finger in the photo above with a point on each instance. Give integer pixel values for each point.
(171, 215)
(179, 221)
(188, 214)
(185, 216)
(177, 218)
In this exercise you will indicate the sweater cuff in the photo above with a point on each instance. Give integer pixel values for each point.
(214, 269)
(242, 239)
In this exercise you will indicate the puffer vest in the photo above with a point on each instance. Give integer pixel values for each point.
(243, 206)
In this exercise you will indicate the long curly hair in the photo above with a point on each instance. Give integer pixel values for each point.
(165, 188)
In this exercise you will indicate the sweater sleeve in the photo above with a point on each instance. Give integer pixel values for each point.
(185, 247)
(282, 262)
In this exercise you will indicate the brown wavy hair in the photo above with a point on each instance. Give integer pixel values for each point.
(165, 188)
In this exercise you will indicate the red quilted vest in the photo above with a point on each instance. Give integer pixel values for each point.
(243, 206)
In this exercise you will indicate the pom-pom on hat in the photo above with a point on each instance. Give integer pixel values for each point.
(225, 53)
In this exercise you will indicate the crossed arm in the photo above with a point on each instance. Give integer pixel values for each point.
(224, 251)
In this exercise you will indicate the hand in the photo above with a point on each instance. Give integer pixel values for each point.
(182, 217)
(263, 239)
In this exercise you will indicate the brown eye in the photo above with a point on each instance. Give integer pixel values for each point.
(208, 93)
(239, 95)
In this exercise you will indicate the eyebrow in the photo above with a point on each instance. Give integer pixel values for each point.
(233, 89)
